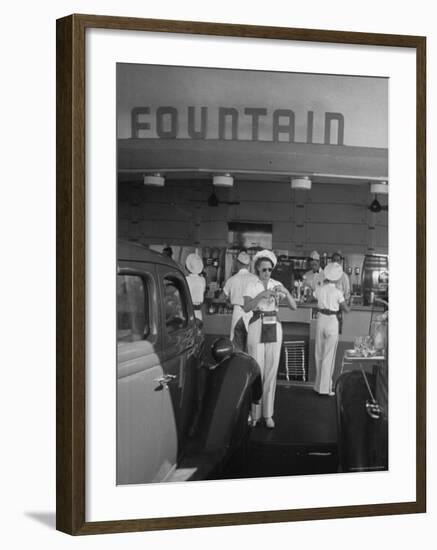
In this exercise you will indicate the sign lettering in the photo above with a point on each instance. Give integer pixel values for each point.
(231, 123)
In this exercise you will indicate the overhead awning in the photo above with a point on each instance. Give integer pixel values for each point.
(249, 158)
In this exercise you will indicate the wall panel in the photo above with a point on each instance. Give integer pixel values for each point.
(328, 212)
(334, 234)
(328, 217)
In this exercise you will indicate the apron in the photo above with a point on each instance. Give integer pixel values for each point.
(268, 326)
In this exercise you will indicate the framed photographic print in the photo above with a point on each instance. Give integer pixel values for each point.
(230, 202)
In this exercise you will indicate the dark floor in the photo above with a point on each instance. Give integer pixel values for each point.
(302, 416)
(304, 440)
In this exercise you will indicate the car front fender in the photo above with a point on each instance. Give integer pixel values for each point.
(233, 385)
(363, 443)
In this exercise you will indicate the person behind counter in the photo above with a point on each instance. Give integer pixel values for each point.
(264, 339)
(343, 283)
(329, 301)
(314, 277)
(234, 292)
(196, 283)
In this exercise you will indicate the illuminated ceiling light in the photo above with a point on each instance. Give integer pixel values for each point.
(154, 179)
(225, 180)
(301, 183)
(380, 188)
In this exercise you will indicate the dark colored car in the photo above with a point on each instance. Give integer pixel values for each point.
(362, 419)
(182, 408)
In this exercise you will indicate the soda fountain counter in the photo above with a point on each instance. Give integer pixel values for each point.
(299, 327)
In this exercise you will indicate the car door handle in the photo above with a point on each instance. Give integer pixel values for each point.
(164, 380)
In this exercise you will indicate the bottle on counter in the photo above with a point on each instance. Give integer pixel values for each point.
(298, 288)
(324, 261)
(307, 294)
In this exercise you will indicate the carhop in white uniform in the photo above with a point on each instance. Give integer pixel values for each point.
(264, 339)
(196, 283)
(234, 291)
(329, 302)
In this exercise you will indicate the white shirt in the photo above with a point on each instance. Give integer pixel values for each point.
(329, 297)
(313, 280)
(265, 304)
(197, 285)
(344, 285)
(235, 286)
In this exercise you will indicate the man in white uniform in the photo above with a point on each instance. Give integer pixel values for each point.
(196, 283)
(343, 283)
(329, 301)
(234, 292)
(314, 277)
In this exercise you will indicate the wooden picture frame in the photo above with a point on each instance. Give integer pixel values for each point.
(71, 254)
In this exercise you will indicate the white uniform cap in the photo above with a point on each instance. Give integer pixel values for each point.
(194, 263)
(243, 258)
(315, 255)
(267, 254)
(333, 272)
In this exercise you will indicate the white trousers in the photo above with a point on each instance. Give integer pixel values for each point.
(267, 356)
(198, 314)
(237, 312)
(326, 347)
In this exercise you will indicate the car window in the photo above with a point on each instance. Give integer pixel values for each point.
(133, 322)
(174, 305)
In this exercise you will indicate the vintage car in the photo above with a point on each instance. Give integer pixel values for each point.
(362, 420)
(182, 406)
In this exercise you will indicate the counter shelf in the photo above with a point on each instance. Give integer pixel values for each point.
(354, 359)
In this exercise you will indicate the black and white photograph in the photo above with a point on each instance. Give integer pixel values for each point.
(214, 198)
(252, 273)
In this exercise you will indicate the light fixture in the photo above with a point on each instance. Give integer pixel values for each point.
(225, 180)
(303, 182)
(380, 188)
(154, 179)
